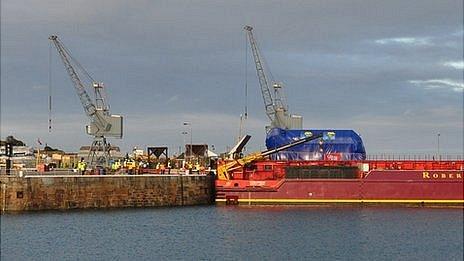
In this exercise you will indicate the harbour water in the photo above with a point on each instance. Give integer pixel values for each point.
(235, 233)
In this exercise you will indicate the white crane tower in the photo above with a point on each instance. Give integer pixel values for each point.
(274, 103)
(102, 123)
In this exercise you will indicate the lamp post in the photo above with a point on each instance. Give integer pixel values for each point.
(184, 133)
(186, 123)
(438, 145)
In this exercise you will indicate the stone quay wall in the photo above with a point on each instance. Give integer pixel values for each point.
(31, 193)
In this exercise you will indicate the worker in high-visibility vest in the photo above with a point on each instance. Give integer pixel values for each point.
(132, 166)
(116, 165)
(82, 166)
(79, 167)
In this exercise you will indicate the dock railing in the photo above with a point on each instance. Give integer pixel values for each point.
(426, 157)
(71, 172)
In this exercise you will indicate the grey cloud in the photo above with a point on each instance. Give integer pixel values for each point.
(175, 57)
(405, 40)
(455, 64)
(440, 83)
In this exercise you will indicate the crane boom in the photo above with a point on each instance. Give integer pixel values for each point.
(274, 103)
(263, 82)
(89, 107)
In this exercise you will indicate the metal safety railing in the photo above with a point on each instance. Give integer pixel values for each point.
(427, 157)
(32, 172)
(64, 172)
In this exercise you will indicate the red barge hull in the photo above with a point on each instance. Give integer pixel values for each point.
(330, 182)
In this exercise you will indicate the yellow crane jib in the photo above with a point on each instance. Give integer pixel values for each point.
(225, 168)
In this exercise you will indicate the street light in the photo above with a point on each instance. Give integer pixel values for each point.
(184, 133)
(186, 123)
(438, 145)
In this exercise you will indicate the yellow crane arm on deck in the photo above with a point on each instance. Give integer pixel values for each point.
(224, 169)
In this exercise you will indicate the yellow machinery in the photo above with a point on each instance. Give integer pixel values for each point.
(224, 169)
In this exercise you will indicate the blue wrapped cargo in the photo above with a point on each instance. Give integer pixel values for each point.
(347, 145)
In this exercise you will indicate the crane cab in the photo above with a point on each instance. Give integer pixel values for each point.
(113, 128)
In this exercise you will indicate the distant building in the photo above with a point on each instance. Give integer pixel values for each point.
(69, 160)
(19, 151)
(23, 156)
(137, 153)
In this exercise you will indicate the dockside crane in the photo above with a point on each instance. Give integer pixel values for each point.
(274, 103)
(102, 123)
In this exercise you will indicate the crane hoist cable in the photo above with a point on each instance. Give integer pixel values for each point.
(50, 88)
(244, 115)
(246, 77)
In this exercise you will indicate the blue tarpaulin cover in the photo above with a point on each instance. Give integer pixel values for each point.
(347, 145)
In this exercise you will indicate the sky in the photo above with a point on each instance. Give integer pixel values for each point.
(390, 70)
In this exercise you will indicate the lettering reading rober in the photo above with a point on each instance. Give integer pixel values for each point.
(442, 175)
